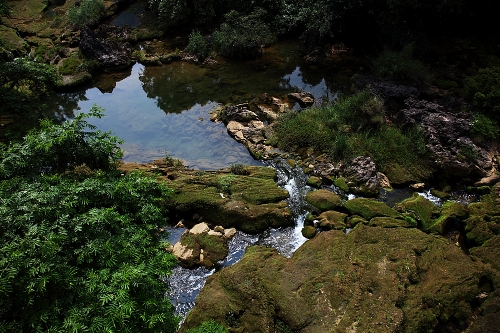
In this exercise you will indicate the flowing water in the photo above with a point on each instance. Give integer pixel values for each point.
(166, 110)
(185, 284)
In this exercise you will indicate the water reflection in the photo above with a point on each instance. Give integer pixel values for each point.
(166, 108)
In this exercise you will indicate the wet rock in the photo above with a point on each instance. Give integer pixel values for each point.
(108, 53)
(308, 231)
(377, 279)
(446, 136)
(304, 99)
(324, 200)
(369, 208)
(332, 220)
(239, 113)
(392, 93)
(361, 172)
(200, 246)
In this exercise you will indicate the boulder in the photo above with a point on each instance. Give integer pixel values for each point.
(200, 247)
(308, 231)
(369, 208)
(446, 136)
(332, 220)
(304, 99)
(324, 200)
(372, 279)
(362, 176)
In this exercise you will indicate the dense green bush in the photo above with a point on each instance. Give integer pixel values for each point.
(400, 65)
(88, 12)
(484, 126)
(484, 91)
(199, 45)
(56, 148)
(242, 36)
(80, 250)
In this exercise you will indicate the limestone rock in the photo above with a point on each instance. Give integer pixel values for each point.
(377, 279)
(303, 98)
(324, 200)
(199, 228)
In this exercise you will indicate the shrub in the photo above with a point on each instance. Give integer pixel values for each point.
(353, 126)
(484, 126)
(239, 169)
(88, 12)
(484, 91)
(400, 65)
(199, 45)
(56, 148)
(242, 36)
(80, 250)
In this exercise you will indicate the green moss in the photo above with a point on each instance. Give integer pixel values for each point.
(332, 220)
(69, 66)
(341, 183)
(314, 181)
(308, 231)
(389, 222)
(425, 210)
(440, 194)
(451, 211)
(12, 42)
(324, 200)
(479, 189)
(369, 208)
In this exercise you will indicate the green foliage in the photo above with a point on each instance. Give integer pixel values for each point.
(79, 251)
(242, 36)
(87, 12)
(400, 65)
(208, 327)
(56, 148)
(223, 183)
(27, 77)
(353, 126)
(484, 91)
(199, 45)
(484, 126)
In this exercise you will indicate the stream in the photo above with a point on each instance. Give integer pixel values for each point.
(165, 110)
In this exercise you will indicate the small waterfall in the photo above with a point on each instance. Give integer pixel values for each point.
(185, 284)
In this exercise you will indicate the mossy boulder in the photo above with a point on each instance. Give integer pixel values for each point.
(390, 222)
(250, 203)
(205, 247)
(332, 220)
(484, 220)
(424, 209)
(341, 184)
(370, 280)
(308, 231)
(324, 200)
(314, 181)
(369, 208)
(10, 40)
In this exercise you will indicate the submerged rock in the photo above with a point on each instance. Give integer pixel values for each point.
(372, 279)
